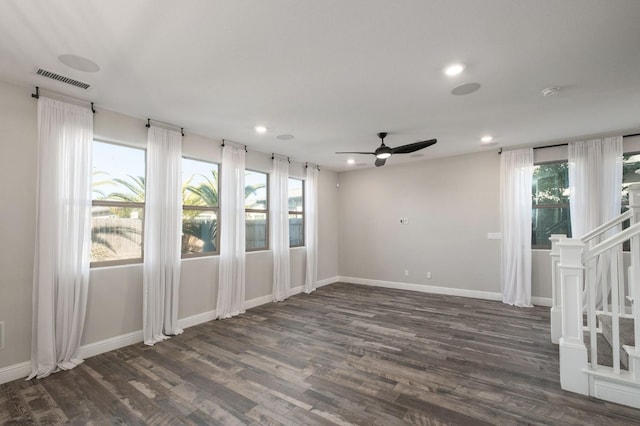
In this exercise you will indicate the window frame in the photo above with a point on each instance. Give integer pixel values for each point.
(548, 206)
(215, 209)
(265, 211)
(298, 213)
(124, 205)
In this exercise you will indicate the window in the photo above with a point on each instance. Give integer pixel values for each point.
(199, 208)
(630, 174)
(550, 197)
(118, 187)
(296, 212)
(256, 210)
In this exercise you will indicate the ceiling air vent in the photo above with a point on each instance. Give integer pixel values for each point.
(63, 79)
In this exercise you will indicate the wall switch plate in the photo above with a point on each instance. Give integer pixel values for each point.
(406, 272)
(404, 221)
(494, 236)
(428, 275)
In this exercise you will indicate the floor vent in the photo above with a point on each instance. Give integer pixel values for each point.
(62, 78)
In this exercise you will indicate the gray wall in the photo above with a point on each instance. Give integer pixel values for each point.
(17, 219)
(115, 293)
(450, 203)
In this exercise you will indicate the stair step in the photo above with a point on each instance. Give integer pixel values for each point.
(626, 335)
(605, 352)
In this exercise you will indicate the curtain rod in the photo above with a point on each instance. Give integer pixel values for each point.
(234, 143)
(60, 95)
(273, 155)
(162, 123)
(306, 165)
(567, 143)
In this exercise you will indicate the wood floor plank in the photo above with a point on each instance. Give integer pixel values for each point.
(344, 355)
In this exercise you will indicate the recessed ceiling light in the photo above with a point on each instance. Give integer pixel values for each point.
(454, 69)
(486, 139)
(79, 63)
(351, 161)
(261, 129)
(550, 91)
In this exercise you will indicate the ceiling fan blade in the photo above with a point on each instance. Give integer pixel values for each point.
(350, 152)
(412, 147)
(380, 161)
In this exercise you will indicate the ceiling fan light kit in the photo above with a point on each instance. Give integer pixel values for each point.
(383, 152)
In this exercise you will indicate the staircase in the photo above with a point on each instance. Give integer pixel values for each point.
(595, 318)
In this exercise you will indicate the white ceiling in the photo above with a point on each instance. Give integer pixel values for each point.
(334, 73)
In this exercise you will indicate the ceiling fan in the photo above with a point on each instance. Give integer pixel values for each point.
(383, 151)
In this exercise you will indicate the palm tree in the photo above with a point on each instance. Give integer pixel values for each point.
(136, 189)
(100, 233)
(205, 194)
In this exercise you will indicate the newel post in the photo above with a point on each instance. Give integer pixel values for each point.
(634, 281)
(573, 352)
(556, 307)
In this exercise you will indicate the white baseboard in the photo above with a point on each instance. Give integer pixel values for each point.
(327, 281)
(542, 301)
(258, 301)
(476, 294)
(15, 372)
(110, 344)
(449, 291)
(197, 319)
(295, 290)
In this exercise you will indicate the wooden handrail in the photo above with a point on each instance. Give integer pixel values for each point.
(606, 226)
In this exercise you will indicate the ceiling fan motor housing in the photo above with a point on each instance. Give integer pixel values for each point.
(383, 151)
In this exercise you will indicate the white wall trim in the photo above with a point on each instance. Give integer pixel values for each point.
(197, 319)
(295, 290)
(258, 301)
(327, 281)
(110, 344)
(476, 294)
(542, 301)
(15, 372)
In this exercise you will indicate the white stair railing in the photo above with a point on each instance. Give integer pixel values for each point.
(589, 240)
(580, 264)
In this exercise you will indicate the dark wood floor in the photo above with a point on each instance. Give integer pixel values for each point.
(346, 354)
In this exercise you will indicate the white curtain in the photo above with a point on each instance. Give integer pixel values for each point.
(63, 235)
(595, 181)
(516, 174)
(231, 282)
(162, 235)
(279, 227)
(311, 228)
